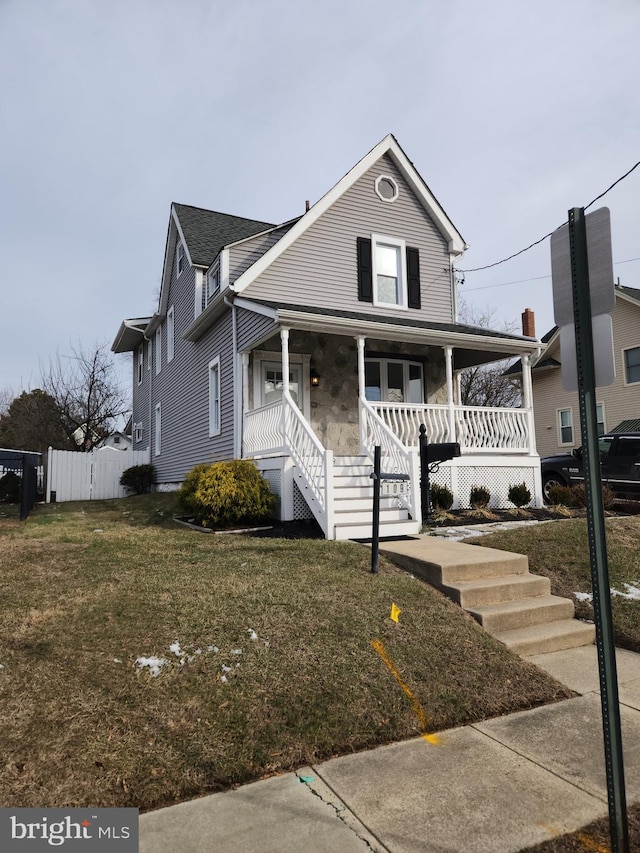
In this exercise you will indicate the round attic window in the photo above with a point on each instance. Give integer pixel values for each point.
(386, 188)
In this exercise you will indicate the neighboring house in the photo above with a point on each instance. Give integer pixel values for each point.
(306, 344)
(556, 412)
(117, 440)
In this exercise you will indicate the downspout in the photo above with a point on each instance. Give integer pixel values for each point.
(237, 399)
(361, 389)
(454, 289)
(150, 372)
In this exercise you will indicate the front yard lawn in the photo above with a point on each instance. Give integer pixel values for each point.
(144, 663)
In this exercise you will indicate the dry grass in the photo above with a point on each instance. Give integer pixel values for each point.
(85, 590)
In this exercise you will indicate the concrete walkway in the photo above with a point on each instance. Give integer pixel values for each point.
(493, 787)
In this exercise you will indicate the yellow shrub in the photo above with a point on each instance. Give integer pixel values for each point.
(227, 493)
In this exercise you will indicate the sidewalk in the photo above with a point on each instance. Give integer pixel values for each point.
(492, 787)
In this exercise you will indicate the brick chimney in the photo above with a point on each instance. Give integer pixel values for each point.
(528, 323)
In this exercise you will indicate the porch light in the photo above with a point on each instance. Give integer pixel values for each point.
(314, 377)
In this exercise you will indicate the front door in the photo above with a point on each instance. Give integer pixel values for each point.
(272, 383)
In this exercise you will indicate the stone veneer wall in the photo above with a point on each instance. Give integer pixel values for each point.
(334, 404)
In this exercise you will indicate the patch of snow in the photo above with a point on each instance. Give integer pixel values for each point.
(213, 649)
(225, 668)
(117, 660)
(98, 530)
(175, 648)
(252, 634)
(223, 678)
(155, 664)
(583, 596)
(632, 593)
(236, 651)
(1, 666)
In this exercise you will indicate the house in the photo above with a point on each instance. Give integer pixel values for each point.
(117, 441)
(305, 344)
(556, 413)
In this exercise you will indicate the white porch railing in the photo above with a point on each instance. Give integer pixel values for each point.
(477, 429)
(397, 457)
(281, 427)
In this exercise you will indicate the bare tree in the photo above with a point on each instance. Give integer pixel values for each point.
(486, 384)
(87, 392)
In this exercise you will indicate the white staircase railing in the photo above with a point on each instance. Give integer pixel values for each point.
(280, 427)
(397, 458)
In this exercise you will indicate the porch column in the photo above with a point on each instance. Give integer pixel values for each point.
(245, 382)
(448, 363)
(361, 380)
(284, 340)
(527, 402)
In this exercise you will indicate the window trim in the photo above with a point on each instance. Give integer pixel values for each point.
(559, 412)
(140, 365)
(600, 406)
(157, 448)
(625, 350)
(171, 334)
(217, 272)
(179, 259)
(215, 399)
(149, 352)
(401, 246)
(137, 432)
(158, 349)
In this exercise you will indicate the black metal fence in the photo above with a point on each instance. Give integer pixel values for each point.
(25, 466)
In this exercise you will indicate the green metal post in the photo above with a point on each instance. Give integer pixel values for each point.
(612, 731)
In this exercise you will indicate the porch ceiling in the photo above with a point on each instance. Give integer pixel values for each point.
(471, 345)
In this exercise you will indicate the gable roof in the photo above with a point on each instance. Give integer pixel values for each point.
(389, 146)
(207, 232)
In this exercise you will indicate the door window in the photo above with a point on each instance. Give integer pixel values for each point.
(272, 383)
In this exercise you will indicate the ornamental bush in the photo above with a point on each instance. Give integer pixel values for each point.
(519, 495)
(138, 477)
(562, 496)
(441, 497)
(10, 487)
(227, 493)
(479, 497)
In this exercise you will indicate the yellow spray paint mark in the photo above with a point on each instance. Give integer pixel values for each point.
(395, 612)
(418, 710)
(590, 843)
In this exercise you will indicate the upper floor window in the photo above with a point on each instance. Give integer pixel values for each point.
(565, 426)
(137, 432)
(388, 272)
(158, 349)
(600, 418)
(631, 365)
(179, 258)
(386, 188)
(213, 282)
(140, 363)
(171, 330)
(149, 354)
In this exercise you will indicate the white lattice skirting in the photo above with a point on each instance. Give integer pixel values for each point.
(496, 475)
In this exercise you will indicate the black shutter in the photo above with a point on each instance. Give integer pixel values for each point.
(365, 272)
(413, 278)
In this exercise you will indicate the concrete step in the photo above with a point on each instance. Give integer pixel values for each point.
(548, 637)
(346, 530)
(443, 563)
(478, 593)
(510, 615)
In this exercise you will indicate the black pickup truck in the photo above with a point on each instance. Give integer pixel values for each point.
(619, 460)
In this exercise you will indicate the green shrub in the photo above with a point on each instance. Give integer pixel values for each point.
(563, 496)
(139, 478)
(519, 495)
(10, 487)
(227, 493)
(479, 497)
(441, 497)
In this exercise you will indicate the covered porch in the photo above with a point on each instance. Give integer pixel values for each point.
(313, 393)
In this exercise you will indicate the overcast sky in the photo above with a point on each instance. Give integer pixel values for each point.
(512, 113)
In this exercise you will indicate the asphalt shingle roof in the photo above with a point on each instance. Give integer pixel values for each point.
(206, 232)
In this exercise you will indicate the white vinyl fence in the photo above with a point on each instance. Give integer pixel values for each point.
(75, 476)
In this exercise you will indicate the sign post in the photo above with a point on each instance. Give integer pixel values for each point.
(586, 385)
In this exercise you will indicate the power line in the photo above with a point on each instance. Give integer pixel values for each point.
(523, 280)
(542, 239)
